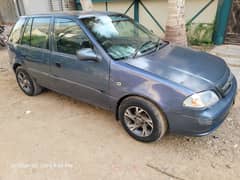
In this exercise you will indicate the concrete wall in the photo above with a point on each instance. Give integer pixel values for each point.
(36, 6)
(7, 12)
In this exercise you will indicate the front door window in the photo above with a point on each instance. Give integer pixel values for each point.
(68, 37)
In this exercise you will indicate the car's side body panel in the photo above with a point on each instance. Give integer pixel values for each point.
(127, 80)
(37, 63)
(35, 60)
(84, 80)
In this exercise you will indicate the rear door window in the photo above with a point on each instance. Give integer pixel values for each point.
(16, 32)
(40, 33)
(27, 33)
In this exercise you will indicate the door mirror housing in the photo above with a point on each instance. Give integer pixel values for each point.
(87, 54)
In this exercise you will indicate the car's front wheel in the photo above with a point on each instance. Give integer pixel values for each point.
(142, 119)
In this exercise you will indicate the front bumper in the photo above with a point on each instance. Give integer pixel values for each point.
(200, 123)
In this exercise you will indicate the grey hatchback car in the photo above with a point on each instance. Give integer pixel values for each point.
(108, 60)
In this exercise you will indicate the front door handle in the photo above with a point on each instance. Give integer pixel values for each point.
(58, 65)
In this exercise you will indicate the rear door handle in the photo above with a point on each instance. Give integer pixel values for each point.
(58, 65)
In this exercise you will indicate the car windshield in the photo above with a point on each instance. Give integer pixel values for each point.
(121, 37)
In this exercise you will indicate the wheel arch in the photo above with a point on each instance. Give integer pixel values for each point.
(139, 96)
(15, 66)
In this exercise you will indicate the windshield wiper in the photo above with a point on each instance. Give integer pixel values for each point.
(140, 48)
(161, 44)
(121, 58)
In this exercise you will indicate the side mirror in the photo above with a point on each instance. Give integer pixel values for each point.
(87, 54)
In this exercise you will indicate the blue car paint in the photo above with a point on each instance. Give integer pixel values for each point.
(166, 77)
(147, 81)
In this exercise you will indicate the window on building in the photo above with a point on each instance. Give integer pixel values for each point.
(68, 36)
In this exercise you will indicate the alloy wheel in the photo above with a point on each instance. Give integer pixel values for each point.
(24, 82)
(138, 121)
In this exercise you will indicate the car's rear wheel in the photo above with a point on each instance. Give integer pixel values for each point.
(142, 119)
(27, 84)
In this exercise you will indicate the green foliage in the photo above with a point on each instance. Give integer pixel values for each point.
(200, 33)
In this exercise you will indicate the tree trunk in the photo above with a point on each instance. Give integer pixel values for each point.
(86, 5)
(175, 28)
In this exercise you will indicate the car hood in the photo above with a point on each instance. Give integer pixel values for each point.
(192, 69)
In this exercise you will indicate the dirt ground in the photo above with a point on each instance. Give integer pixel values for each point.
(53, 137)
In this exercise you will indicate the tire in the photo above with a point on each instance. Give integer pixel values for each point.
(142, 119)
(27, 84)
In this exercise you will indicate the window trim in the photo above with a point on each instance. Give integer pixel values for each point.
(21, 31)
(24, 29)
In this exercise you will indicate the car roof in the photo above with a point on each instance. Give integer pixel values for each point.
(79, 14)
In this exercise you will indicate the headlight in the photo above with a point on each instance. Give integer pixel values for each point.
(201, 100)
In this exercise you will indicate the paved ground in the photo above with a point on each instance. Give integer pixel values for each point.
(53, 137)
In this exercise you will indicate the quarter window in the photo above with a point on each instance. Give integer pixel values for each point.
(40, 33)
(68, 36)
(16, 32)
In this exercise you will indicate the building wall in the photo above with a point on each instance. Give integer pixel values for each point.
(159, 9)
(8, 14)
(36, 6)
